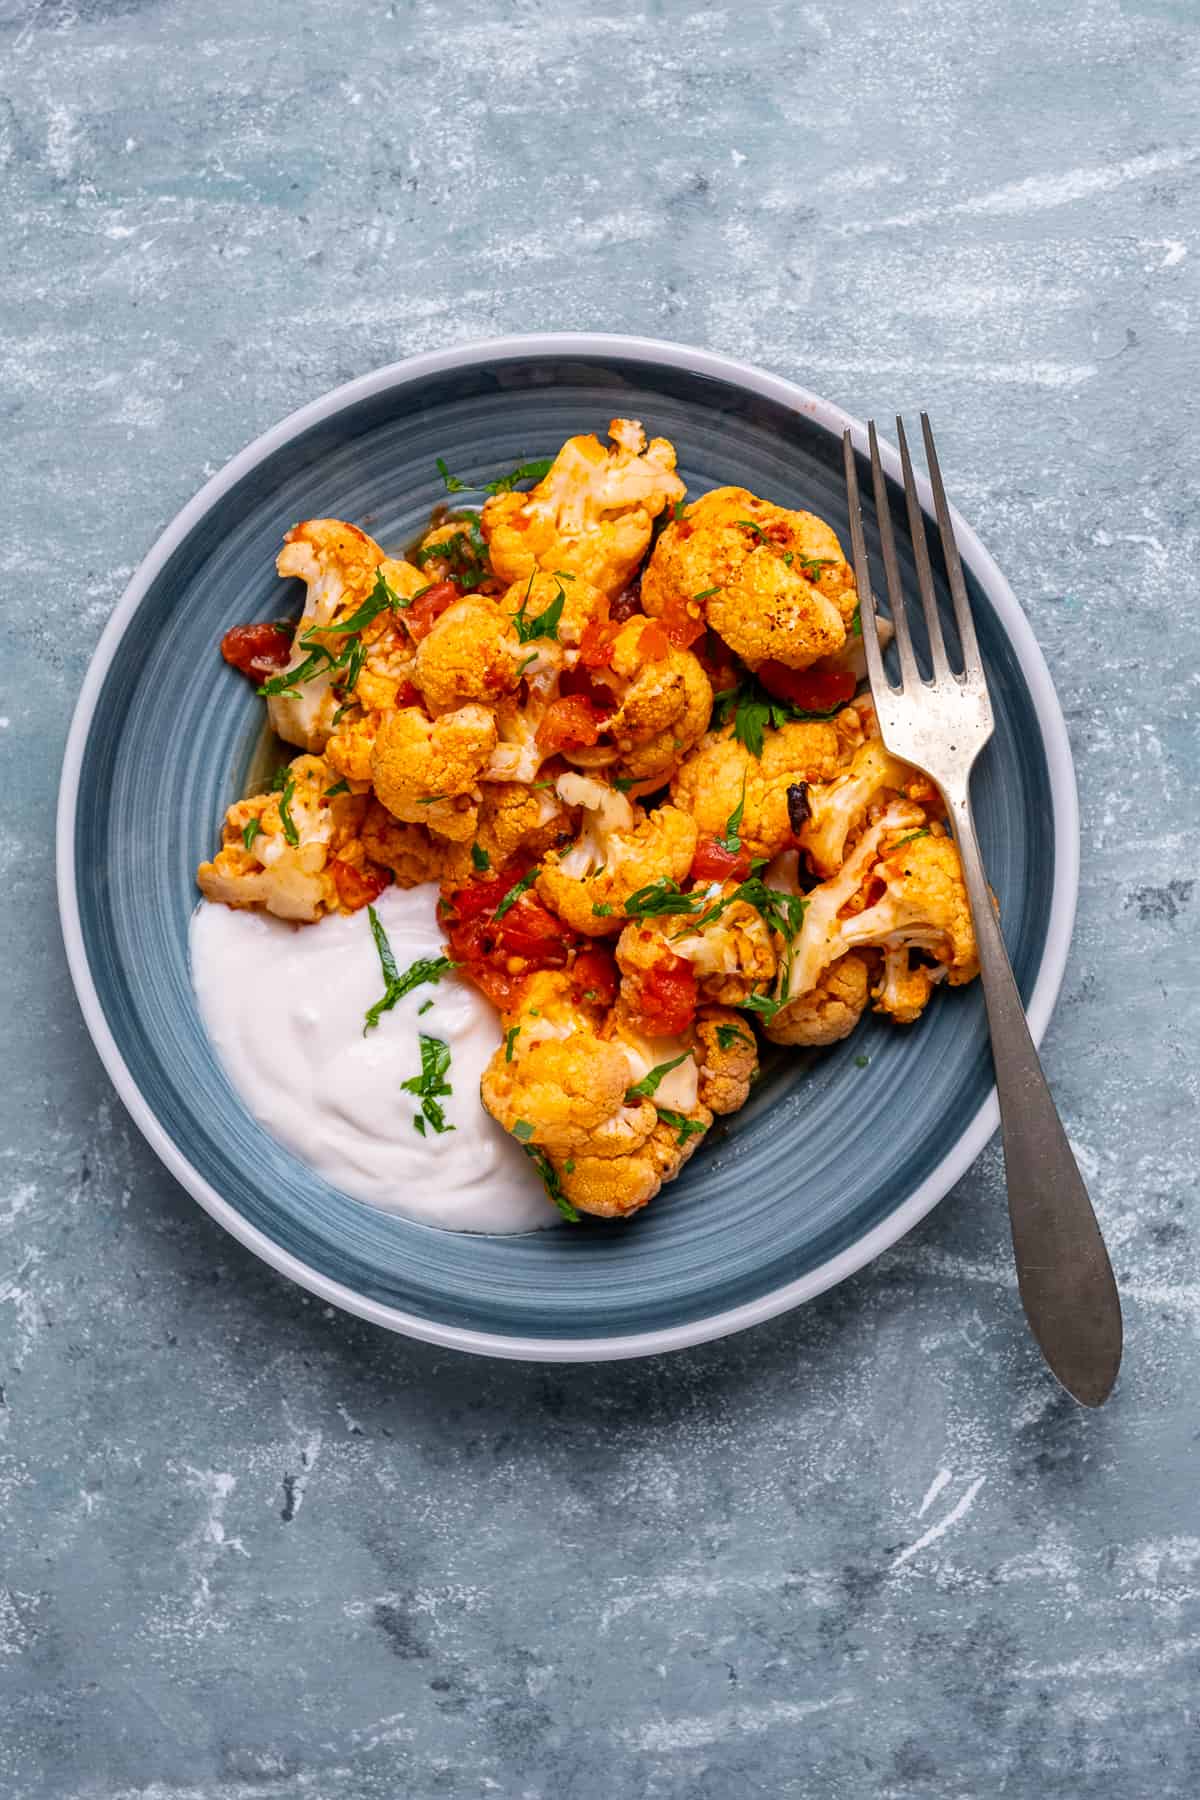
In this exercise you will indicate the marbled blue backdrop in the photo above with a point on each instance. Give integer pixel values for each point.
(253, 1550)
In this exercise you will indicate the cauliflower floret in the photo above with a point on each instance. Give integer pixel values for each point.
(728, 1058)
(556, 1085)
(732, 955)
(428, 772)
(771, 582)
(470, 654)
(619, 850)
(592, 513)
(836, 808)
(830, 1011)
(409, 851)
(455, 551)
(538, 594)
(819, 941)
(293, 831)
(513, 821)
(713, 779)
(904, 988)
(664, 705)
(924, 907)
(613, 1187)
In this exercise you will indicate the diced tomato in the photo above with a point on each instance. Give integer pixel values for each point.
(663, 1000)
(424, 613)
(531, 930)
(712, 862)
(813, 690)
(570, 722)
(501, 988)
(480, 897)
(653, 642)
(594, 976)
(358, 887)
(596, 644)
(259, 651)
(408, 695)
(486, 945)
(681, 629)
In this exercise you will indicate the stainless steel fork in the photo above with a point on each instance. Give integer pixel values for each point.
(1063, 1271)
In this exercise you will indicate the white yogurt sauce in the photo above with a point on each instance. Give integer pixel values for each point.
(284, 1007)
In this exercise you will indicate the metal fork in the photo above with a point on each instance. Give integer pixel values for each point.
(1063, 1272)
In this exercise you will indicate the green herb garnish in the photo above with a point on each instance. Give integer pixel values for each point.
(765, 1005)
(480, 858)
(431, 1084)
(450, 482)
(529, 471)
(602, 909)
(649, 1084)
(707, 593)
(812, 566)
(660, 898)
(551, 1182)
(856, 622)
(464, 552)
(861, 1062)
(425, 1006)
(382, 598)
(510, 1038)
(522, 1131)
(731, 842)
(286, 686)
(338, 716)
(677, 510)
(684, 1127)
(285, 812)
(339, 787)
(753, 710)
(750, 525)
(426, 968)
(545, 625)
(514, 894)
(251, 831)
(523, 665)
(910, 839)
(729, 1035)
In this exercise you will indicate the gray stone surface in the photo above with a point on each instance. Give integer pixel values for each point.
(250, 1548)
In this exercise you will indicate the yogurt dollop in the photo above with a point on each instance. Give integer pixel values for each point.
(284, 1007)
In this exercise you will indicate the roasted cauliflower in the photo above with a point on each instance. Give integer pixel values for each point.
(469, 654)
(591, 514)
(427, 772)
(664, 703)
(720, 774)
(619, 850)
(773, 584)
(830, 1010)
(276, 847)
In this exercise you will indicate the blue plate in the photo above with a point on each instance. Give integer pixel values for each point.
(829, 1163)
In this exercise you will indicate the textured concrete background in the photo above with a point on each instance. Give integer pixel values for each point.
(253, 1550)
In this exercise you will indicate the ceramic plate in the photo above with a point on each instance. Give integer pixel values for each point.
(828, 1164)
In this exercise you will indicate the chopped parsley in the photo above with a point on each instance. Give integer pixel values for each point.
(677, 510)
(480, 858)
(464, 552)
(514, 893)
(911, 838)
(285, 686)
(321, 660)
(812, 566)
(750, 525)
(545, 624)
(707, 593)
(861, 1062)
(430, 799)
(729, 1035)
(602, 909)
(623, 783)
(856, 623)
(525, 663)
(753, 710)
(510, 1038)
(450, 482)
(396, 985)
(338, 716)
(731, 842)
(424, 1007)
(382, 598)
(551, 1182)
(522, 1131)
(339, 787)
(649, 1084)
(528, 471)
(279, 779)
(660, 898)
(765, 1005)
(430, 1086)
(285, 810)
(684, 1127)
(251, 831)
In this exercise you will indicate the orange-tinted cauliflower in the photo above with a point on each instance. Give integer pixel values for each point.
(727, 1054)
(591, 514)
(411, 852)
(713, 779)
(471, 653)
(732, 954)
(923, 908)
(613, 1187)
(772, 583)
(618, 851)
(276, 847)
(664, 706)
(830, 1010)
(836, 808)
(555, 608)
(428, 772)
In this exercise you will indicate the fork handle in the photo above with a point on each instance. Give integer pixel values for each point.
(1063, 1272)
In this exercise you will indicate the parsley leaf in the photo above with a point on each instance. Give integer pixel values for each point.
(658, 899)
(649, 1084)
(450, 482)
(480, 858)
(382, 598)
(707, 593)
(856, 623)
(522, 1131)
(510, 1038)
(514, 893)
(252, 829)
(431, 1083)
(677, 511)
(464, 552)
(602, 909)
(731, 842)
(812, 566)
(753, 710)
(551, 1182)
(339, 787)
(750, 525)
(396, 985)
(285, 810)
(286, 685)
(911, 838)
(861, 1062)
(765, 1005)
(545, 625)
(729, 1035)
(684, 1127)
(529, 471)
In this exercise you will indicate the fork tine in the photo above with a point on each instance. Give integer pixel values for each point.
(972, 662)
(916, 529)
(910, 675)
(862, 571)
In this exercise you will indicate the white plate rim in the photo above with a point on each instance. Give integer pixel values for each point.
(970, 1142)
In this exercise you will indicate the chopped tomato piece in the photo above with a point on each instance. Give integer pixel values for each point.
(712, 862)
(813, 690)
(408, 695)
(596, 644)
(663, 1001)
(570, 722)
(530, 929)
(259, 651)
(358, 887)
(653, 643)
(682, 630)
(425, 611)
(594, 976)
(486, 946)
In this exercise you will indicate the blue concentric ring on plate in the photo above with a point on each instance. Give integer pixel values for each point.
(828, 1163)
